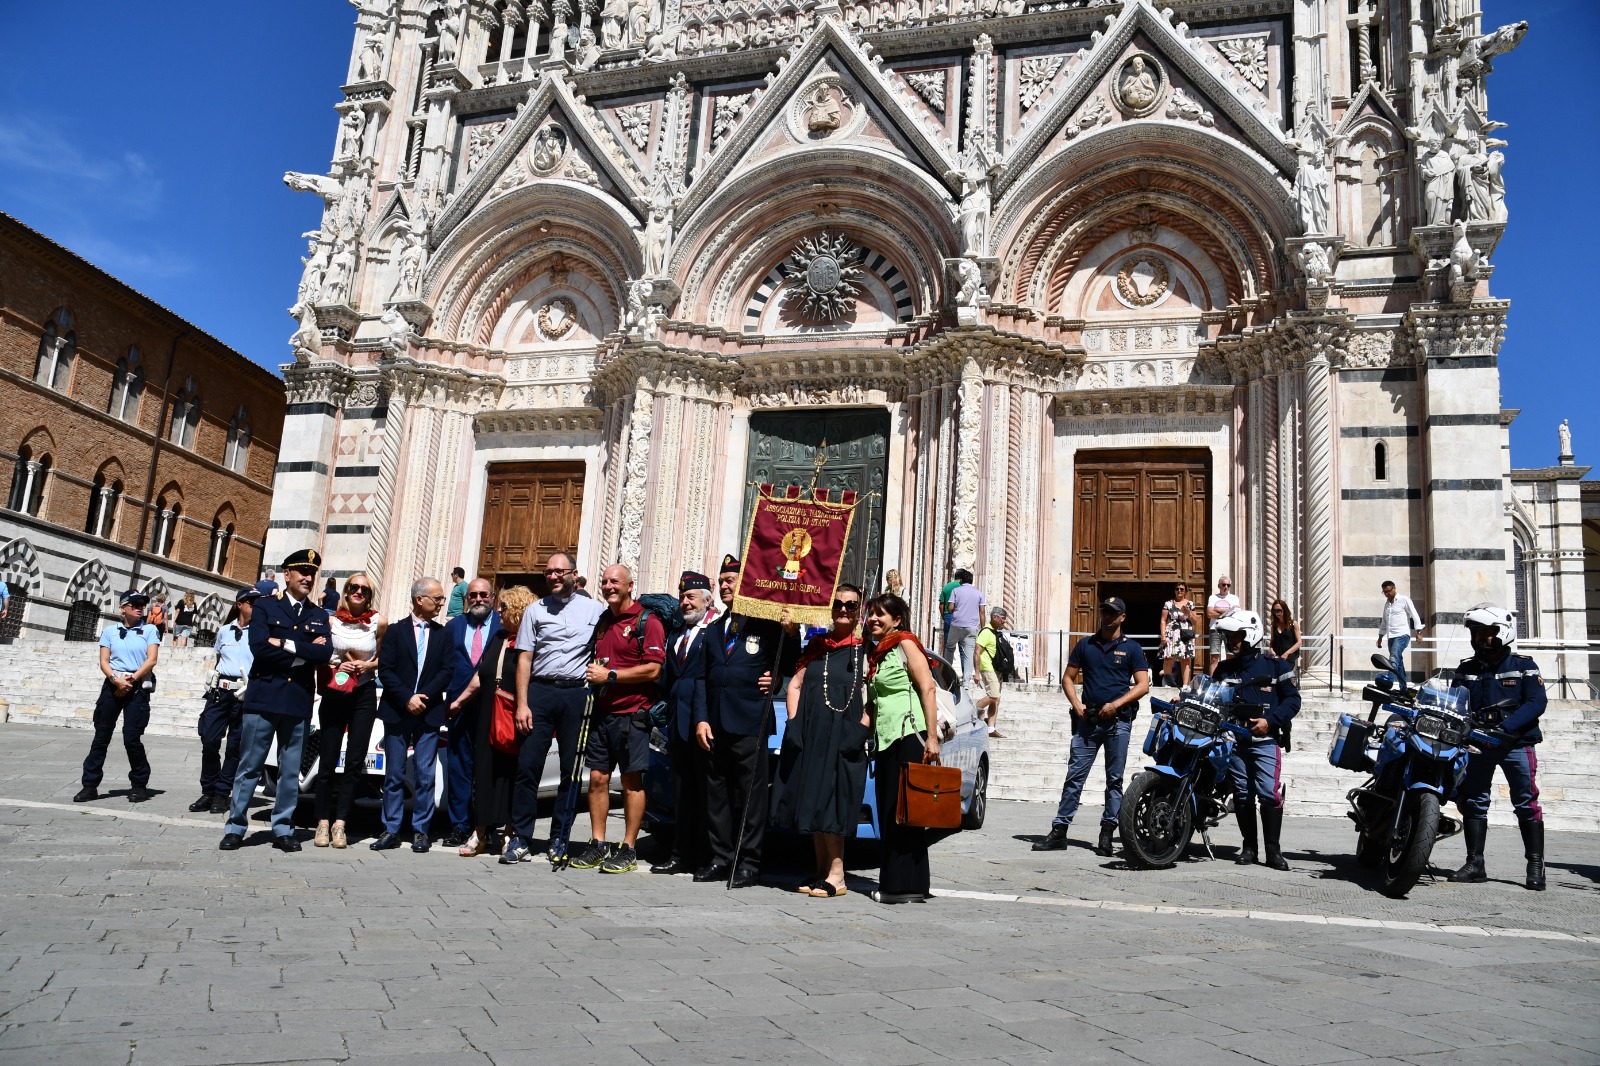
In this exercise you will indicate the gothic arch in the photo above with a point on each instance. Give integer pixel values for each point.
(39, 441)
(112, 470)
(155, 587)
(92, 582)
(1372, 157)
(211, 612)
(20, 566)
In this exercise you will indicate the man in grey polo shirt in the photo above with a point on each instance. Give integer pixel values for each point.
(553, 652)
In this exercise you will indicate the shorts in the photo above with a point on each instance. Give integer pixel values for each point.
(991, 683)
(616, 743)
(183, 632)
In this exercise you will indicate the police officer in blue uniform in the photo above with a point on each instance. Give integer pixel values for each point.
(223, 714)
(1115, 675)
(1266, 699)
(128, 655)
(1507, 696)
(289, 639)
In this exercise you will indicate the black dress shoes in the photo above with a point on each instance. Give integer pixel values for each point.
(747, 876)
(896, 897)
(201, 805)
(1104, 846)
(231, 842)
(220, 804)
(86, 794)
(420, 843)
(386, 842)
(1055, 840)
(672, 866)
(286, 843)
(454, 839)
(712, 871)
(139, 794)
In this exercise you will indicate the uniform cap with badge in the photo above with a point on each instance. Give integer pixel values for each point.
(692, 580)
(307, 559)
(135, 597)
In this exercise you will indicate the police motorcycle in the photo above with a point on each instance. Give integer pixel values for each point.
(1417, 758)
(1192, 742)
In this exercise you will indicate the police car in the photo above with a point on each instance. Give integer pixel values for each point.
(963, 743)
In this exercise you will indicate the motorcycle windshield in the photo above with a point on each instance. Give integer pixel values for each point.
(1438, 694)
(1206, 691)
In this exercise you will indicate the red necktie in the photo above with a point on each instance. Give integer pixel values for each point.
(477, 644)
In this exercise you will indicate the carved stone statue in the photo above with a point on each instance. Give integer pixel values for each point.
(1314, 263)
(408, 275)
(658, 232)
(613, 19)
(823, 113)
(1497, 185)
(639, 311)
(307, 338)
(351, 132)
(396, 331)
(638, 24)
(1464, 261)
(588, 53)
(370, 63)
(972, 290)
(311, 278)
(1564, 432)
(1438, 182)
(1138, 86)
(449, 39)
(341, 269)
(1311, 183)
(977, 171)
(1477, 52)
(1471, 189)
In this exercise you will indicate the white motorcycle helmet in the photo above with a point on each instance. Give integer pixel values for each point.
(1495, 617)
(1240, 620)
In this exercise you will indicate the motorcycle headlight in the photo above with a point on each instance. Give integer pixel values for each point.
(1444, 730)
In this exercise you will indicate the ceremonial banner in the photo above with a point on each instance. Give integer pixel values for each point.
(792, 554)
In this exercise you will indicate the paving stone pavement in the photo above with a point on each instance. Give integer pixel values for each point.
(127, 938)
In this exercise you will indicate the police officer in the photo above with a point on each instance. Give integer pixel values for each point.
(1507, 697)
(288, 640)
(223, 713)
(128, 660)
(1266, 698)
(1115, 676)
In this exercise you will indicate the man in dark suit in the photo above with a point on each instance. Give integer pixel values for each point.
(288, 640)
(683, 678)
(466, 635)
(744, 658)
(414, 670)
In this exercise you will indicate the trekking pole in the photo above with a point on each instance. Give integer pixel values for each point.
(569, 802)
(750, 790)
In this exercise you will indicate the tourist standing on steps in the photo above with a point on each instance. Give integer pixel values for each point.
(553, 653)
(128, 655)
(1217, 608)
(1115, 676)
(289, 640)
(330, 596)
(1179, 620)
(349, 707)
(629, 648)
(458, 593)
(683, 683)
(1507, 697)
(944, 616)
(222, 717)
(968, 614)
(1285, 634)
(186, 618)
(1266, 699)
(988, 643)
(1395, 627)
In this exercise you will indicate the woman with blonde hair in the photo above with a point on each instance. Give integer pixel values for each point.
(188, 616)
(494, 772)
(349, 705)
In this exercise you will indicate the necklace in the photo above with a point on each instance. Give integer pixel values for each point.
(855, 679)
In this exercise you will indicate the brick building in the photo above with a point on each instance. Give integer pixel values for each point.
(135, 448)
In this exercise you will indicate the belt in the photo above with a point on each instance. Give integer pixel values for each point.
(226, 683)
(558, 682)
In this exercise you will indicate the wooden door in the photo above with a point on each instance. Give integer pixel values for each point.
(1141, 521)
(530, 512)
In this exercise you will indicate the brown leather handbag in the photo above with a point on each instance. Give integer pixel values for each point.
(930, 795)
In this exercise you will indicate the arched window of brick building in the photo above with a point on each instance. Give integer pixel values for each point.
(237, 456)
(127, 386)
(28, 479)
(104, 499)
(221, 541)
(185, 415)
(57, 348)
(164, 527)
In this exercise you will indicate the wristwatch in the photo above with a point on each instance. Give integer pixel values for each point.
(611, 677)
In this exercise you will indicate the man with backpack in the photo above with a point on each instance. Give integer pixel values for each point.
(996, 663)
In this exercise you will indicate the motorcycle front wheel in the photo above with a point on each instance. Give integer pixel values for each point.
(1147, 807)
(1405, 859)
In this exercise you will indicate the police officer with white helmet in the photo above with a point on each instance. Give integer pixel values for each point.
(1266, 699)
(1507, 697)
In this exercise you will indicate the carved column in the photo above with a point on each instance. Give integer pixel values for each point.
(1269, 492)
(1319, 503)
(1255, 431)
(636, 474)
(1288, 509)
(968, 454)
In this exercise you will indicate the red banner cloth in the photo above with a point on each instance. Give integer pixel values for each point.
(792, 554)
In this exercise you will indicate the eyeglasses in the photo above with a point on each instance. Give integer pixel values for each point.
(848, 606)
(435, 599)
(557, 572)
(480, 595)
(1224, 584)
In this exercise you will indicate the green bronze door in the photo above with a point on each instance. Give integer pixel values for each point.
(783, 451)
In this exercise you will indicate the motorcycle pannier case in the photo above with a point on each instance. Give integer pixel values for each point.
(1350, 740)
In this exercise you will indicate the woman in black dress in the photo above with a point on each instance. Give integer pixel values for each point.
(1285, 634)
(822, 767)
(494, 772)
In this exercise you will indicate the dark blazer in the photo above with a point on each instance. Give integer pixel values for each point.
(735, 703)
(461, 668)
(277, 684)
(397, 673)
(684, 683)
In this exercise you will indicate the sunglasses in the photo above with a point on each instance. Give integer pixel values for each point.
(848, 606)
(352, 590)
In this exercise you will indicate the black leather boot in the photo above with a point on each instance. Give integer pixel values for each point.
(1054, 840)
(1104, 847)
(1271, 828)
(1246, 813)
(1475, 831)
(1533, 847)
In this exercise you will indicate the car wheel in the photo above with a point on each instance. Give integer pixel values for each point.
(978, 808)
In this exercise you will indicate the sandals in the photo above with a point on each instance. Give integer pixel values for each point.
(473, 846)
(805, 887)
(828, 890)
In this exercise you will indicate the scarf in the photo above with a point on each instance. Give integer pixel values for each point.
(887, 644)
(821, 646)
(361, 619)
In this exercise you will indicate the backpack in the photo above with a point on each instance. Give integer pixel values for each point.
(157, 615)
(1004, 659)
(665, 609)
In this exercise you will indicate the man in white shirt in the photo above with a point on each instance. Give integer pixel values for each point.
(1217, 607)
(1395, 625)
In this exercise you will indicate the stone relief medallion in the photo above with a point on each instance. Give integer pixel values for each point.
(548, 150)
(1139, 85)
(557, 318)
(823, 109)
(1143, 281)
(823, 278)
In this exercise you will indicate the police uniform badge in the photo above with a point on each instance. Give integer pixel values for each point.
(752, 645)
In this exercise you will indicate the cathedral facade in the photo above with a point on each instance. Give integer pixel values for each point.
(1087, 296)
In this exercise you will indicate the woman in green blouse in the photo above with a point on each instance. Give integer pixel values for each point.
(906, 720)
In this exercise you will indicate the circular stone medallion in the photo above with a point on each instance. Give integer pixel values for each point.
(1143, 281)
(823, 274)
(557, 318)
(1140, 85)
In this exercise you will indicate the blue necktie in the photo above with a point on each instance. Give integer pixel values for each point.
(422, 647)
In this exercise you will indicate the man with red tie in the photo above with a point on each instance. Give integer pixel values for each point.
(467, 634)
(683, 680)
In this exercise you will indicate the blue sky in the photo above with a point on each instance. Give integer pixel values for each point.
(152, 140)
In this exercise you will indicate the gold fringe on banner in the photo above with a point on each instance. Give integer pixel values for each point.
(769, 609)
